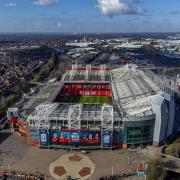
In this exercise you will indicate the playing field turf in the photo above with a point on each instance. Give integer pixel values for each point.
(87, 99)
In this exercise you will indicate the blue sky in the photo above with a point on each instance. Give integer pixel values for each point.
(89, 16)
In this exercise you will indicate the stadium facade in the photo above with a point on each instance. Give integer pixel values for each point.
(97, 107)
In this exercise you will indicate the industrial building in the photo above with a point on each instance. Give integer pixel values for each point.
(97, 107)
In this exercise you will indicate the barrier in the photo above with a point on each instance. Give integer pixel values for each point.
(4, 173)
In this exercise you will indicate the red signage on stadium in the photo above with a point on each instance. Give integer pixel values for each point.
(93, 68)
(2, 171)
(86, 89)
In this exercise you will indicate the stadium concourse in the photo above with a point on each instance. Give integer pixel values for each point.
(97, 107)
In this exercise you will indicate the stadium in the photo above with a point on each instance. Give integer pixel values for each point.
(97, 107)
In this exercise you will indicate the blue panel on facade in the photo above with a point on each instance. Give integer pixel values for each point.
(44, 138)
(107, 139)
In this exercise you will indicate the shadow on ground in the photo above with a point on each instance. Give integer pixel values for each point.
(4, 136)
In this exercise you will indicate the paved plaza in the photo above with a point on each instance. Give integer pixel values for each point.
(19, 156)
(74, 165)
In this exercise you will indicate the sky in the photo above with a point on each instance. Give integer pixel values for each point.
(90, 16)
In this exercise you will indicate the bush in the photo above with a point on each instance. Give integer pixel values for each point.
(173, 150)
(155, 169)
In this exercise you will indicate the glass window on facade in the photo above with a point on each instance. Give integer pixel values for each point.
(138, 134)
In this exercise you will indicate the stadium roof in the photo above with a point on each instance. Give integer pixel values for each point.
(133, 90)
(88, 73)
(47, 93)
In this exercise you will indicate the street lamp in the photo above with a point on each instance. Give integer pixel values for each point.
(112, 170)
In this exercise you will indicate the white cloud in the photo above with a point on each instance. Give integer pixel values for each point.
(11, 5)
(135, 1)
(45, 2)
(59, 24)
(115, 7)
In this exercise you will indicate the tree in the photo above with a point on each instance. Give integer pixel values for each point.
(155, 169)
(173, 150)
(2, 100)
(11, 99)
(44, 73)
(24, 86)
(17, 90)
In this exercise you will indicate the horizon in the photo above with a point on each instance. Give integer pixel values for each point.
(79, 33)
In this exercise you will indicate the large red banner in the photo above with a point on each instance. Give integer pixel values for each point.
(87, 89)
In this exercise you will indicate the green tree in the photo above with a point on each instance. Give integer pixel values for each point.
(155, 169)
(11, 99)
(24, 86)
(44, 73)
(173, 149)
(17, 90)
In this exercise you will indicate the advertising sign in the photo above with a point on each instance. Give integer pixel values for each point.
(81, 138)
(106, 139)
(33, 134)
(44, 139)
(87, 89)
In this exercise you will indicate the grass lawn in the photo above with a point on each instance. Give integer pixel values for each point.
(87, 99)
